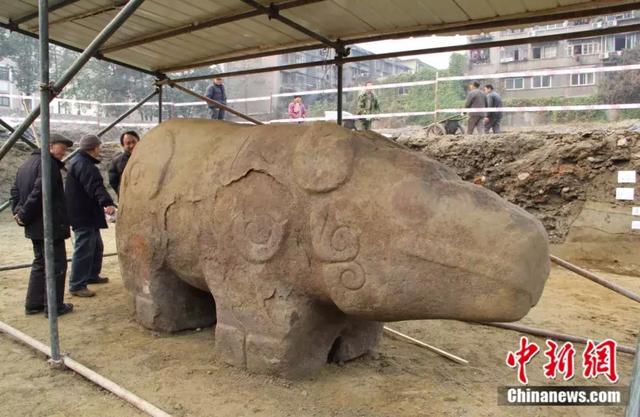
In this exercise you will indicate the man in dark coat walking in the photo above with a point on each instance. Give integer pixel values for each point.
(217, 92)
(26, 205)
(128, 141)
(88, 201)
(492, 121)
(475, 99)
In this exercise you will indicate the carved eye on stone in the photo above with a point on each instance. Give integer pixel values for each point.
(349, 275)
(259, 237)
(332, 241)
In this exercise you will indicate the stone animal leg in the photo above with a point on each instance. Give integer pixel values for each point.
(285, 336)
(167, 304)
(357, 338)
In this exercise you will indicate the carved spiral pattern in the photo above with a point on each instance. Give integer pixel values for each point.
(349, 275)
(259, 237)
(332, 241)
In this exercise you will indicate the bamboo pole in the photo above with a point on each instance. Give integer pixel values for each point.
(439, 351)
(92, 376)
(552, 335)
(593, 277)
(23, 266)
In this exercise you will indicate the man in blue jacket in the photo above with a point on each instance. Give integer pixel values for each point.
(216, 92)
(26, 205)
(88, 202)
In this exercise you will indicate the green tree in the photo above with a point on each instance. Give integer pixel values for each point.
(621, 86)
(23, 54)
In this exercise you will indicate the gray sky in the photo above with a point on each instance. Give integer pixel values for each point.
(440, 61)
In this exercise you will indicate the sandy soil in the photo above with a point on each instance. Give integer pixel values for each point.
(180, 374)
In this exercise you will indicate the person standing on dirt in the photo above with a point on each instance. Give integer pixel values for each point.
(217, 92)
(367, 104)
(88, 202)
(492, 121)
(475, 100)
(26, 206)
(128, 141)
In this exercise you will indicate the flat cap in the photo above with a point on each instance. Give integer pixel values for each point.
(58, 138)
(89, 142)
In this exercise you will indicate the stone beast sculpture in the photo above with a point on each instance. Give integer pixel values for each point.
(308, 237)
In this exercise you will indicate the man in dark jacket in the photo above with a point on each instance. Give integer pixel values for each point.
(216, 92)
(492, 121)
(128, 141)
(26, 205)
(475, 100)
(88, 201)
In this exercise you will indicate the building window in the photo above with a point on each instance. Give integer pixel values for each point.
(4, 73)
(622, 42)
(5, 102)
(514, 83)
(541, 81)
(583, 79)
(479, 56)
(544, 51)
(589, 48)
(513, 54)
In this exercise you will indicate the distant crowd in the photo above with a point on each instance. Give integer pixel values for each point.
(367, 104)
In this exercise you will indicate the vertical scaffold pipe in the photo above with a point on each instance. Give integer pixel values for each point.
(46, 166)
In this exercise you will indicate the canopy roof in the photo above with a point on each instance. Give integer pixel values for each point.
(168, 35)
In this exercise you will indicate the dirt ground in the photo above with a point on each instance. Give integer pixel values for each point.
(180, 374)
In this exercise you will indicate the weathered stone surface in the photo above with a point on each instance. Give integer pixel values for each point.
(308, 237)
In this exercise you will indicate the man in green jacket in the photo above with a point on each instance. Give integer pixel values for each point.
(367, 104)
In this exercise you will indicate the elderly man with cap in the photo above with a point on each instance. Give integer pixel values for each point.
(88, 201)
(26, 205)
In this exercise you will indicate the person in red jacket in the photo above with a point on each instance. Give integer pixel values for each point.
(297, 109)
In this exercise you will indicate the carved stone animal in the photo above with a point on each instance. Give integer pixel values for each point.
(310, 236)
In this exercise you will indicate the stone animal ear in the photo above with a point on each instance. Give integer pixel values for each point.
(323, 163)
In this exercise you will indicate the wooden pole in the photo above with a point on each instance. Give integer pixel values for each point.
(593, 277)
(440, 352)
(92, 376)
(435, 101)
(552, 335)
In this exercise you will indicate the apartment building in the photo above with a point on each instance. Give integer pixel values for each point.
(304, 79)
(7, 89)
(589, 52)
(416, 65)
